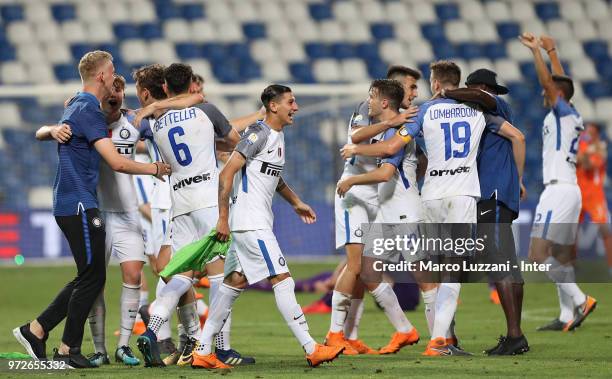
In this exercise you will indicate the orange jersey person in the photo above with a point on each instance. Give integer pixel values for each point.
(591, 173)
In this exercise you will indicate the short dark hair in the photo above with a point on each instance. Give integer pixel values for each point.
(151, 77)
(178, 77)
(565, 84)
(119, 81)
(391, 90)
(446, 72)
(197, 78)
(272, 93)
(396, 71)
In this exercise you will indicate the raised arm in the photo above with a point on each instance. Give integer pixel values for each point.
(544, 76)
(243, 122)
(60, 133)
(379, 175)
(119, 163)
(472, 95)
(361, 133)
(378, 149)
(177, 102)
(548, 44)
(226, 179)
(306, 213)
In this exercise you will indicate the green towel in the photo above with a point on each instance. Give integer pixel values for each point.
(196, 255)
(14, 356)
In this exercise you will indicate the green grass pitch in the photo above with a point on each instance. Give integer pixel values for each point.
(259, 330)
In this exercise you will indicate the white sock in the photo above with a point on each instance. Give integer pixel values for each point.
(144, 298)
(167, 300)
(201, 307)
(387, 299)
(165, 331)
(450, 333)
(446, 305)
(188, 317)
(130, 298)
(566, 313)
(96, 323)
(572, 289)
(341, 303)
(429, 301)
(215, 283)
(351, 327)
(558, 273)
(222, 339)
(284, 293)
(220, 309)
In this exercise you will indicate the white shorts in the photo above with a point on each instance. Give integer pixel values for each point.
(454, 209)
(351, 213)
(256, 254)
(124, 237)
(405, 209)
(557, 213)
(192, 226)
(160, 224)
(147, 235)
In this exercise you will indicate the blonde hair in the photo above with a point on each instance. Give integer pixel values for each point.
(90, 63)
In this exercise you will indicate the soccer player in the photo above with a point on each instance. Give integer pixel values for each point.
(76, 209)
(500, 174)
(360, 206)
(186, 139)
(553, 234)
(255, 254)
(398, 193)
(451, 134)
(591, 172)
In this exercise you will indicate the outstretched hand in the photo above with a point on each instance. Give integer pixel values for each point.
(529, 40)
(306, 213)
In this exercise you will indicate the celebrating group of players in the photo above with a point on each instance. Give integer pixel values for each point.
(473, 169)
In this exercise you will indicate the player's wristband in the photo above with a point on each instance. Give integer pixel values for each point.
(551, 50)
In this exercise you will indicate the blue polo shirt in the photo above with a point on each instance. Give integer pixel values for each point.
(79, 162)
(496, 167)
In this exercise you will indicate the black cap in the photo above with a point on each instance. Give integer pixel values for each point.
(488, 78)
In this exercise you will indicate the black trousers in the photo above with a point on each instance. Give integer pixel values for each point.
(86, 235)
(495, 222)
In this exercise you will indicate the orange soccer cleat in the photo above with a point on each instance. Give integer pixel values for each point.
(361, 347)
(494, 297)
(139, 327)
(204, 282)
(317, 307)
(438, 347)
(210, 362)
(322, 354)
(399, 340)
(338, 340)
(581, 313)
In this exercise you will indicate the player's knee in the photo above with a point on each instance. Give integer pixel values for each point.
(236, 280)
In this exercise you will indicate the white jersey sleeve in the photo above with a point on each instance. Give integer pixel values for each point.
(361, 164)
(160, 193)
(116, 190)
(143, 183)
(254, 187)
(186, 141)
(451, 133)
(562, 127)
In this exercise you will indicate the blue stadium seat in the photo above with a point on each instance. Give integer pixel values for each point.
(604, 68)
(367, 51)
(65, 72)
(425, 71)
(253, 30)
(126, 31)
(342, 50)
(316, 50)
(188, 50)
(126, 71)
(528, 70)
(249, 69)
(80, 49)
(63, 12)
(508, 30)
(214, 51)
(227, 71)
(469, 50)
(239, 50)
(520, 92)
(7, 52)
(597, 89)
(11, 13)
(597, 50)
(151, 30)
(301, 72)
(547, 10)
(445, 50)
(377, 68)
(494, 50)
(167, 10)
(382, 31)
(320, 11)
(447, 11)
(433, 32)
(193, 11)
(113, 50)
